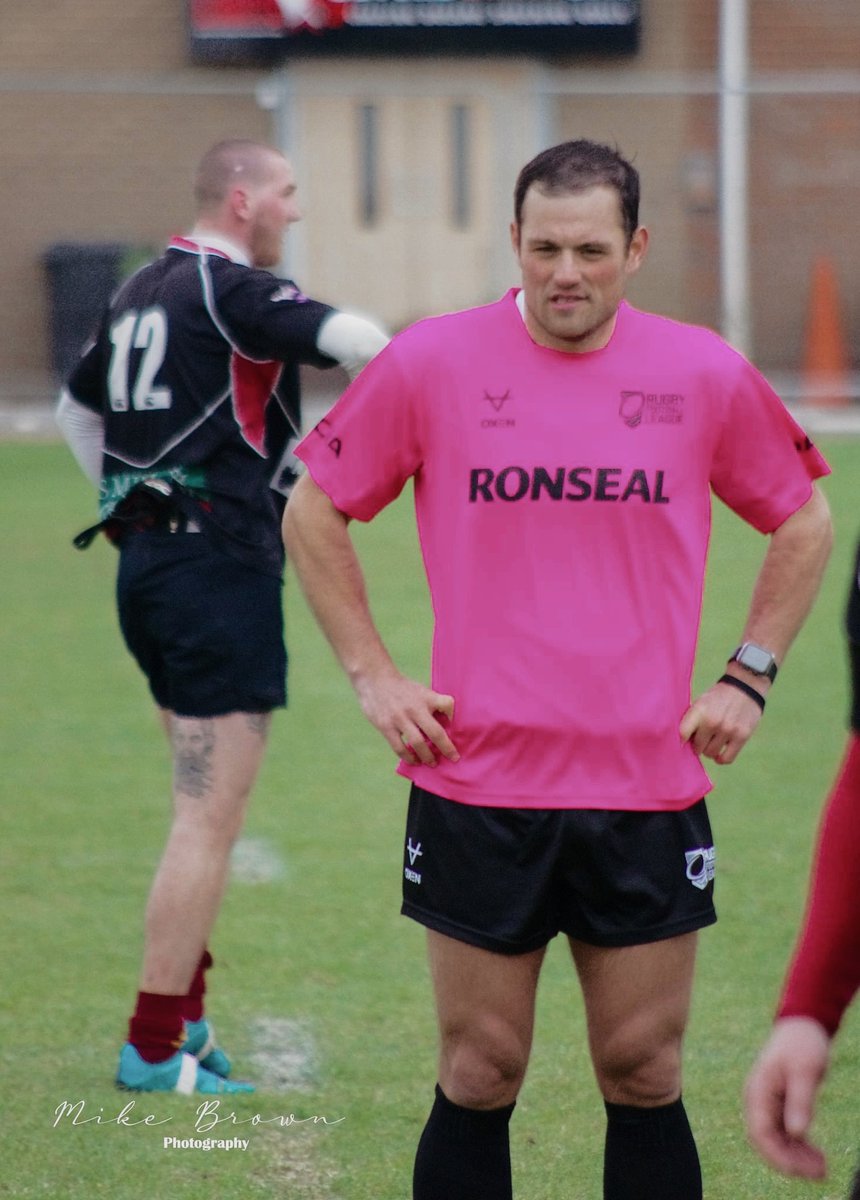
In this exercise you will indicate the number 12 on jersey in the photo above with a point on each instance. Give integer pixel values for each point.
(146, 331)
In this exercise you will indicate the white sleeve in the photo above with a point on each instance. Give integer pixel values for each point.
(83, 429)
(350, 339)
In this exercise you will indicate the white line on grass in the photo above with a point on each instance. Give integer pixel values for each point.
(285, 1059)
(254, 860)
(284, 1055)
(294, 1165)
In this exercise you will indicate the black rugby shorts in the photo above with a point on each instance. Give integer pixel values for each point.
(206, 630)
(509, 880)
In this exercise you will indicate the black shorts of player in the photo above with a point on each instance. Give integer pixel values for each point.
(509, 880)
(206, 630)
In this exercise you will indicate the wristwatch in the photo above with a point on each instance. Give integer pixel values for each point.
(755, 659)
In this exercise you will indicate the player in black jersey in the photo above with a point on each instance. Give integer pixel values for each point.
(182, 410)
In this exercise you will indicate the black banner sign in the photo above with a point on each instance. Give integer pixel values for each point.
(272, 30)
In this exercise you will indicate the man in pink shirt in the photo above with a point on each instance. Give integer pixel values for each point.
(824, 974)
(563, 448)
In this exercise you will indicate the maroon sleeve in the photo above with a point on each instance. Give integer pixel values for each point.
(825, 971)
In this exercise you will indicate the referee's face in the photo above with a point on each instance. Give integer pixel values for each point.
(273, 206)
(575, 262)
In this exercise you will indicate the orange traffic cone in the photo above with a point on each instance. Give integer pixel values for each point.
(825, 363)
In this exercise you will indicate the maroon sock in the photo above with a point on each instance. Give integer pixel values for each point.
(193, 1008)
(156, 1029)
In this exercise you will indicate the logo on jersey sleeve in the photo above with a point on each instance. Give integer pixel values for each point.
(651, 408)
(289, 291)
(323, 429)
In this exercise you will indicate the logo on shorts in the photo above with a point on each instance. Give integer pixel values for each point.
(414, 852)
(700, 866)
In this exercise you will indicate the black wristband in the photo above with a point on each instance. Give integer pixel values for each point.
(743, 687)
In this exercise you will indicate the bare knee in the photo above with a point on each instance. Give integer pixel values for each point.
(483, 1066)
(640, 1068)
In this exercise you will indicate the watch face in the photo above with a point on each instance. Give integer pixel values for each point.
(755, 659)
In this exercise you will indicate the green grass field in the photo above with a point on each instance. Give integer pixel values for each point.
(315, 952)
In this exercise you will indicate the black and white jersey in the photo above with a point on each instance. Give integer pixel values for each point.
(188, 356)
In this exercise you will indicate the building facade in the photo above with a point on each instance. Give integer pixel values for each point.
(406, 162)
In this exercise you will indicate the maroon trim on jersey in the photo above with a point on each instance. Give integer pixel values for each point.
(252, 384)
(182, 243)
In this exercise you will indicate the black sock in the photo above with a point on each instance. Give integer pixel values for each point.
(650, 1154)
(463, 1154)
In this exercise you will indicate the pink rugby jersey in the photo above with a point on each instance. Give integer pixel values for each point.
(563, 504)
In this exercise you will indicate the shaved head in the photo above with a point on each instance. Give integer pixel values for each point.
(236, 160)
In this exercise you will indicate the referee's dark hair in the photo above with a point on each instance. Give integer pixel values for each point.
(574, 166)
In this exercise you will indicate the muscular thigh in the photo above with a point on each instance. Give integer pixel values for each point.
(485, 1002)
(637, 1001)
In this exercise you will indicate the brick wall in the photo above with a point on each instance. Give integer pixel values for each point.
(98, 36)
(102, 120)
(804, 171)
(102, 123)
(794, 35)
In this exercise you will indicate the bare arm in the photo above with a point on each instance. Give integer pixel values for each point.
(321, 550)
(720, 722)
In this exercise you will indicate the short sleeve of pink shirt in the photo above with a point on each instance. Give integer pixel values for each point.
(759, 447)
(371, 443)
(563, 504)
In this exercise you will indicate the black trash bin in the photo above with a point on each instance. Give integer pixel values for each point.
(81, 278)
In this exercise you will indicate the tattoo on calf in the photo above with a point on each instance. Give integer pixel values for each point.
(193, 748)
